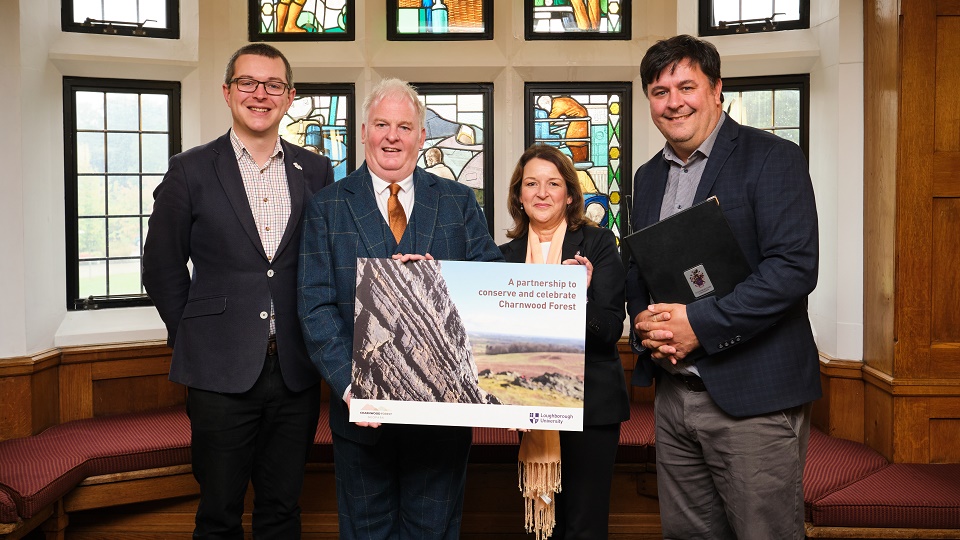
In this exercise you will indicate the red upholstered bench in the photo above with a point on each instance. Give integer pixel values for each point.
(850, 491)
(637, 435)
(833, 464)
(900, 496)
(8, 513)
(37, 471)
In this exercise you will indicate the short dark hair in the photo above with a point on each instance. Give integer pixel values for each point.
(668, 53)
(257, 49)
(574, 215)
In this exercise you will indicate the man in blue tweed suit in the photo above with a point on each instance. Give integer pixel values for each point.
(734, 419)
(393, 481)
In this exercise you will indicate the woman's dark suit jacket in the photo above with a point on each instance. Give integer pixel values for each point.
(605, 389)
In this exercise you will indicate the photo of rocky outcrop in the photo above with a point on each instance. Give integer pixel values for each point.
(410, 343)
(413, 343)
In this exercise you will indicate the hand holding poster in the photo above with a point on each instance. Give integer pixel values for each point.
(469, 344)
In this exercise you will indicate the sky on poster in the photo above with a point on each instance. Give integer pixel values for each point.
(466, 280)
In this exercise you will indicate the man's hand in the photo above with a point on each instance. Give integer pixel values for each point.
(666, 331)
(408, 257)
(361, 424)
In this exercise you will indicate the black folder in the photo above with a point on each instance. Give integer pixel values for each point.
(689, 255)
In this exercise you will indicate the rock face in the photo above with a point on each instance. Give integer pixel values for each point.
(409, 341)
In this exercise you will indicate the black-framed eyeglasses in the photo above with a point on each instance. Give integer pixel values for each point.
(248, 85)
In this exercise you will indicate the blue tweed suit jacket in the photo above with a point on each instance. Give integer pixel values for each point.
(342, 223)
(761, 355)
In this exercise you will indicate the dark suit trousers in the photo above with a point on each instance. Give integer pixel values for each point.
(409, 485)
(262, 435)
(586, 465)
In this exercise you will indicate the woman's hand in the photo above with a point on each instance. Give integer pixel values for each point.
(580, 259)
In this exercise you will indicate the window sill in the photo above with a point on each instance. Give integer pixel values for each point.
(117, 325)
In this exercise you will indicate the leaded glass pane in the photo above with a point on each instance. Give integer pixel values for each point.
(90, 201)
(92, 236)
(320, 122)
(454, 146)
(151, 13)
(155, 152)
(307, 16)
(789, 134)
(439, 16)
(738, 10)
(150, 183)
(758, 108)
(588, 127)
(123, 195)
(123, 112)
(90, 153)
(123, 152)
(93, 278)
(123, 237)
(154, 112)
(124, 276)
(90, 110)
(578, 16)
(787, 108)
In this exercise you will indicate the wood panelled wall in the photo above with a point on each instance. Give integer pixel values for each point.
(70, 383)
(912, 229)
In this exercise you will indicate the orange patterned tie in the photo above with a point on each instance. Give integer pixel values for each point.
(398, 218)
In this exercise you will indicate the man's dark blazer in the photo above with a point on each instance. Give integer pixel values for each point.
(217, 321)
(605, 390)
(761, 355)
(343, 223)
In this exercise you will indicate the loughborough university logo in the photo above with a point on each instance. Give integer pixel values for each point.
(534, 417)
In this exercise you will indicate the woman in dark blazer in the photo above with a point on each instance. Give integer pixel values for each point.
(546, 203)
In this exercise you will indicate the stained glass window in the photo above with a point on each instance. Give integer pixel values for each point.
(775, 104)
(142, 18)
(460, 137)
(577, 19)
(301, 20)
(439, 19)
(120, 135)
(590, 122)
(321, 120)
(718, 17)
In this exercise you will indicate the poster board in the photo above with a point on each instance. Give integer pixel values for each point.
(469, 344)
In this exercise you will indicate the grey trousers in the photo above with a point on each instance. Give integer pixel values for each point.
(720, 477)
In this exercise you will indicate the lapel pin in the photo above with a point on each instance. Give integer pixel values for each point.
(297, 165)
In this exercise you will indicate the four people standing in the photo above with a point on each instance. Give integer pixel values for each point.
(735, 375)
(232, 208)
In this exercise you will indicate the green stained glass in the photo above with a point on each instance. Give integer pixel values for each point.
(587, 124)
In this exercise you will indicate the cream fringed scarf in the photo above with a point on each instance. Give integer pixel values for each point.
(539, 449)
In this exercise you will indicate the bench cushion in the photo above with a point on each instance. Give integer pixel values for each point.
(833, 464)
(901, 495)
(8, 508)
(637, 435)
(40, 469)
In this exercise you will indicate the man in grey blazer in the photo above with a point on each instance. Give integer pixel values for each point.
(233, 208)
(393, 481)
(736, 374)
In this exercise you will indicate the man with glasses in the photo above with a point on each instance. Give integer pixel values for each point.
(233, 208)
